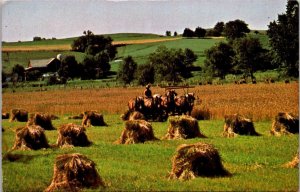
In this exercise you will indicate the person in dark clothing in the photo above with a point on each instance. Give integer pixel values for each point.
(148, 92)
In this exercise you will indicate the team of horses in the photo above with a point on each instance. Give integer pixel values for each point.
(159, 107)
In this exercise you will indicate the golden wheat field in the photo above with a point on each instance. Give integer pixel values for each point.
(256, 101)
(64, 47)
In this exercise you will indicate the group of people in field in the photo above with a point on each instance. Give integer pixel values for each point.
(159, 107)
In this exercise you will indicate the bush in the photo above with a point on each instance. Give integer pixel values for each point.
(33, 75)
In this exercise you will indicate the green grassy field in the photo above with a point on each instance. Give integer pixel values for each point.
(140, 52)
(254, 162)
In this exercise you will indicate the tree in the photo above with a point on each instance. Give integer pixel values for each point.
(19, 71)
(200, 32)
(219, 59)
(175, 34)
(249, 55)
(89, 68)
(188, 33)
(145, 74)
(127, 70)
(218, 29)
(235, 29)
(169, 64)
(69, 67)
(284, 39)
(93, 44)
(190, 57)
(102, 60)
(95, 67)
(180, 63)
(37, 38)
(168, 33)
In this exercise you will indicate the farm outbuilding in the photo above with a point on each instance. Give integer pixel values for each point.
(44, 65)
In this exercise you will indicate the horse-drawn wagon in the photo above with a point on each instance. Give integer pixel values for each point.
(159, 107)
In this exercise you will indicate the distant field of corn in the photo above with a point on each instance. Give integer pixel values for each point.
(257, 101)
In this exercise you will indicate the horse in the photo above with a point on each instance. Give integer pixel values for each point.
(152, 107)
(158, 110)
(184, 104)
(136, 104)
(168, 102)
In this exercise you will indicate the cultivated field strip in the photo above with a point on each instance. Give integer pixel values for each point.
(67, 47)
(256, 101)
(63, 47)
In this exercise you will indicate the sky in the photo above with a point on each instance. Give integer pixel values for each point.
(24, 19)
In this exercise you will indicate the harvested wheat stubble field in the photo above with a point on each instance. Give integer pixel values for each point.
(255, 162)
(256, 101)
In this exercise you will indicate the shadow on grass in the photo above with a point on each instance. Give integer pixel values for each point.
(10, 157)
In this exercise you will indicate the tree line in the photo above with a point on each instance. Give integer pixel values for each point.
(245, 55)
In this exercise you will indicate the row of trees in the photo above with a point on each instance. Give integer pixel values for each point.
(37, 38)
(163, 65)
(169, 33)
(199, 32)
(231, 30)
(245, 55)
(241, 56)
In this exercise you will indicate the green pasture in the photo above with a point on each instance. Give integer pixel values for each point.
(263, 38)
(140, 52)
(255, 162)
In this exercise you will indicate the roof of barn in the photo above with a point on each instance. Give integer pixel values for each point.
(40, 62)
